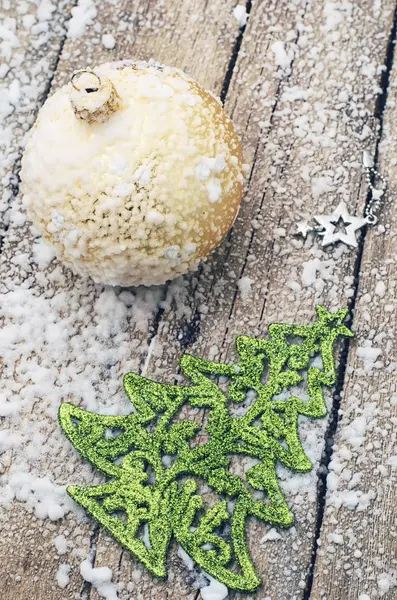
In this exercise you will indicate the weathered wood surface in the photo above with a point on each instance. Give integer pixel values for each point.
(304, 109)
(31, 39)
(357, 554)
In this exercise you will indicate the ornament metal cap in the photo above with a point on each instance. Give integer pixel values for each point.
(93, 98)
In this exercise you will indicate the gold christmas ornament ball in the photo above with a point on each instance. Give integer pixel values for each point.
(133, 173)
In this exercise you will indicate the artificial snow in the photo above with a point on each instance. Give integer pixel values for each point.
(82, 15)
(335, 538)
(245, 287)
(240, 14)
(214, 190)
(335, 14)
(368, 354)
(83, 355)
(386, 582)
(187, 560)
(283, 57)
(271, 536)
(62, 575)
(108, 41)
(380, 289)
(316, 271)
(214, 591)
(393, 461)
(43, 254)
(100, 578)
(64, 339)
(40, 494)
(61, 544)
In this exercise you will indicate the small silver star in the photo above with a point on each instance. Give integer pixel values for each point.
(331, 234)
(303, 228)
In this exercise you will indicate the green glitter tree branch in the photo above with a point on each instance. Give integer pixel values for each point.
(147, 489)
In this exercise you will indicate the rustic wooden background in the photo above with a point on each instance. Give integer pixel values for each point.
(305, 109)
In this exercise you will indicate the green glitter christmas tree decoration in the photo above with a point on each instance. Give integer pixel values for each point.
(155, 464)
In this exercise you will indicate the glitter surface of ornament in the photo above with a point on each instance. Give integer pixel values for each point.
(145, 489)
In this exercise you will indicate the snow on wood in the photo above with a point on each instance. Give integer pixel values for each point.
(31, 34)
(362, 481)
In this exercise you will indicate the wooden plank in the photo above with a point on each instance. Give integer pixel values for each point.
(175, 33)
(34, 549)
(300, 137)
(31, 36)
(357, 547)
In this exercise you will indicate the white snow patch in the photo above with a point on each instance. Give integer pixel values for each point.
(335, 538)
(43, 254)
(82, 15)
(313, 268)
(39, 493)
(335, 14)
(386, 582)
(240, 14)
(214, 591)
(245, 287)
(376, 8)
(368, 354)
(62, 575)
(380, 289)
(101, 578)
(61, 544)
(393, 461)
(271, 536)
(283, 57)
(214, 189)
(108, 41)
(322, 185)
(189, 563)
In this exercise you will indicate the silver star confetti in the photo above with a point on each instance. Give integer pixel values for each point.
(332, 232)
(303, 228)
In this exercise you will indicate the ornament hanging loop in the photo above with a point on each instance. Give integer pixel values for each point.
(79, 73)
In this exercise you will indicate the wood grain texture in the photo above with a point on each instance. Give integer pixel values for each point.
(31, 42)
(357, 554)
(175, 34)
(31, 39)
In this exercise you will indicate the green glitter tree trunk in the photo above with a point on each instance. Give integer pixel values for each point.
(154, 464)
